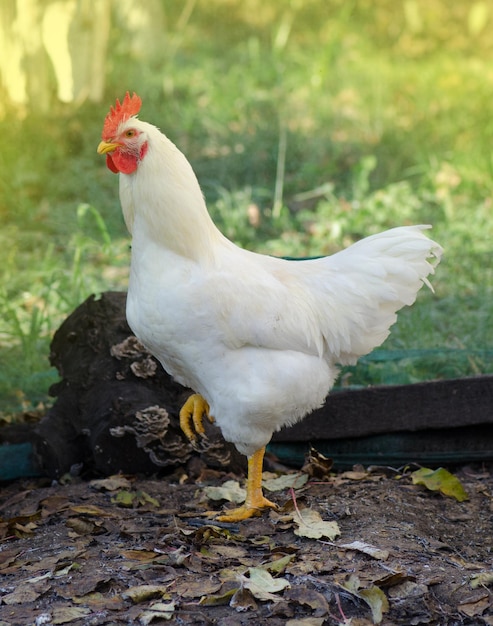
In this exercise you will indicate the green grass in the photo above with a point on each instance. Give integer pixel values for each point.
(310, 125)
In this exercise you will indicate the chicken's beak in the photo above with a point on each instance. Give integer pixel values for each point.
(106, 146)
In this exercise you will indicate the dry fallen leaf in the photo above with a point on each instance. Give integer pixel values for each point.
(221, 552)
(393, 578)
(243, 600)
(21, 595)
(262, 585)
(408, 589)
(139, 555)
(482, 579)
(304, 596)
(158, 610)
(91, 509)
(141, 593)
(374, 597)
(98, 601)
(219, 600)
(306, 621)
(366, 548)
(377, 601)
(197, 588)
(476, 607)
(67, 614)
(286, 481)
(279, 565)
(311, 525)
(81, 526)
(53, 504)
(354, 474)
(317, 465)
(113, 483)
(230, 491)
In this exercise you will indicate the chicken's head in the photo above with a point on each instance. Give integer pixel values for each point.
(123, 142)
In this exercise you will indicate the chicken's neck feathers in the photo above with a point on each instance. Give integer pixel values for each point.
(162, 202)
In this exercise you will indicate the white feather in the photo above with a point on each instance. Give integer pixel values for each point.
(260, 338)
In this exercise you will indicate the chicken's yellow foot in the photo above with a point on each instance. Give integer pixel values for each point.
(192, 412)
(255, 500)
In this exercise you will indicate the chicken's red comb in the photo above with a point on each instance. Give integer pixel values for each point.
(120, 113)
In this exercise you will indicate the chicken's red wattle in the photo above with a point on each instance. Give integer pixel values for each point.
(110, 165)
(123, 162)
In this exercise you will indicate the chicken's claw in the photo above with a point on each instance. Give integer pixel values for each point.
(249, 509)
(192, 412)
(255, 500)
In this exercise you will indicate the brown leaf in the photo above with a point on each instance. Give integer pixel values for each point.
(81, 526)
(18, 497)
(243, 600)
(366, 548)
(53, 504)
(408, 589)
(91, 509)
(219, 600)
(392, 579)
(197, 588)
(65, 557)
(113, 483)
(22, 525)
(142, 593)
(22, 530)
(100, 601)
(4, 530)
(8, 557)
(23, 594)
(317, 465)
(67, 614)
(476, 607)
(158, 611)
(308, 621)
(355, 475)
(304, 596)
(139, 555)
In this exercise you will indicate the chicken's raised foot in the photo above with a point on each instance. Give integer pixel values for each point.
(192, 412)
(255, 500)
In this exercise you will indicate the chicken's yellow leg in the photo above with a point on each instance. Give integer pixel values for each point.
(255, 500)
(192, 412)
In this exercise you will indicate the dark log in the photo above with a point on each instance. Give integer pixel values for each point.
(116, 409)
(438, 404)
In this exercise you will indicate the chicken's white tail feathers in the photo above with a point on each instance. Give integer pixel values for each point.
(369, 282)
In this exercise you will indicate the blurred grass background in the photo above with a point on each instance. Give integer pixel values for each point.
(309, 123)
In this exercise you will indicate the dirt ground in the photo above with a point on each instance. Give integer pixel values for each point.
(129, 550)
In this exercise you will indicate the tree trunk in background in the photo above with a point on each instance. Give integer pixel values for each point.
(72, 34)
(144, 27)
(23, 62)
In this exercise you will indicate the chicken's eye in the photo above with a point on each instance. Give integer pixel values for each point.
(130, 133)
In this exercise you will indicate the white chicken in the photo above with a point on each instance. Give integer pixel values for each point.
(259, 339)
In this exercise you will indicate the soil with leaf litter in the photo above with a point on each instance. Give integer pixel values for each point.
(360, 547)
